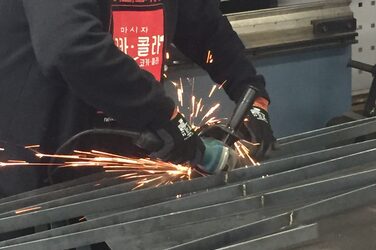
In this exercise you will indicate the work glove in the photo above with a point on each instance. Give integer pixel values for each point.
(257, 129)
(180, 143)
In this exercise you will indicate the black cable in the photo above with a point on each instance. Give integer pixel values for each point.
(64, 148)
(130, 134)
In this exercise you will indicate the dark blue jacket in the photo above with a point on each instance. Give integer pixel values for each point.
(59, 64)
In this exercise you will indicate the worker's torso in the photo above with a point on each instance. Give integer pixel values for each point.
(40, 109)
(36, 109)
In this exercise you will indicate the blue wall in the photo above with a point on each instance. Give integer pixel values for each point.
(307, 88)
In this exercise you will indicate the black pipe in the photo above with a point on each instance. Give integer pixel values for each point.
(363, 66)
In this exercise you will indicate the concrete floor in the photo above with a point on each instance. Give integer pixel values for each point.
(355, 230)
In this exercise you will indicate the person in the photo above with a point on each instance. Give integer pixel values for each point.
(65, 61)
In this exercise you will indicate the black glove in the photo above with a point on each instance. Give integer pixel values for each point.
(180, 142)
(257, 129)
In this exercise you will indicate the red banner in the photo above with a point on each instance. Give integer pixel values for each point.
(140, 34)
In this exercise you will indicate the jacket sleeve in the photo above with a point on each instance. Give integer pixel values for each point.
(70, 42)
(202, 28)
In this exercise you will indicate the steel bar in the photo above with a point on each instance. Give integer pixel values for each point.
(285, 239)
(272, 199)
(334, 205)
(317, 142)
(129, 230)
(309, 178)
(324, 130)
(65, 192)
(363, 66)
(295, 162)
(266, 169)
(160, 239)
(125, 201)
(234, 176)
(150, 196)
(75, 182)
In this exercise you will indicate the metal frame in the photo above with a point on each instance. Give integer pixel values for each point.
(211, 212)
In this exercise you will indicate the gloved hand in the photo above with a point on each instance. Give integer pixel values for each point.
(180, 142)
(257, 129)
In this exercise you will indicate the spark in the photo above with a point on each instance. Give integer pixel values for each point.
(40, 155)
(2, 149)
(222, 84)
(16, 161)
(180, 92)
(167, 55)
(198, 107)
(193, 108)
(32, 146)
(209, 58)
(212, 91)
(144, 171)
(25, 210)
(12, 163)
(211, 111)
(244, 151)
(174, 83)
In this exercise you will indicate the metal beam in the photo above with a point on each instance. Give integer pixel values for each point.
(324, 130)
(336, 204)
(146, 197)
(285, 239)
(200, 209)
(317, 142)
(67, 184)
(295, 162)
(64, 192)
(266, 169)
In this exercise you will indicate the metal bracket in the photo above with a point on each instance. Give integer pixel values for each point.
(334, 25)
